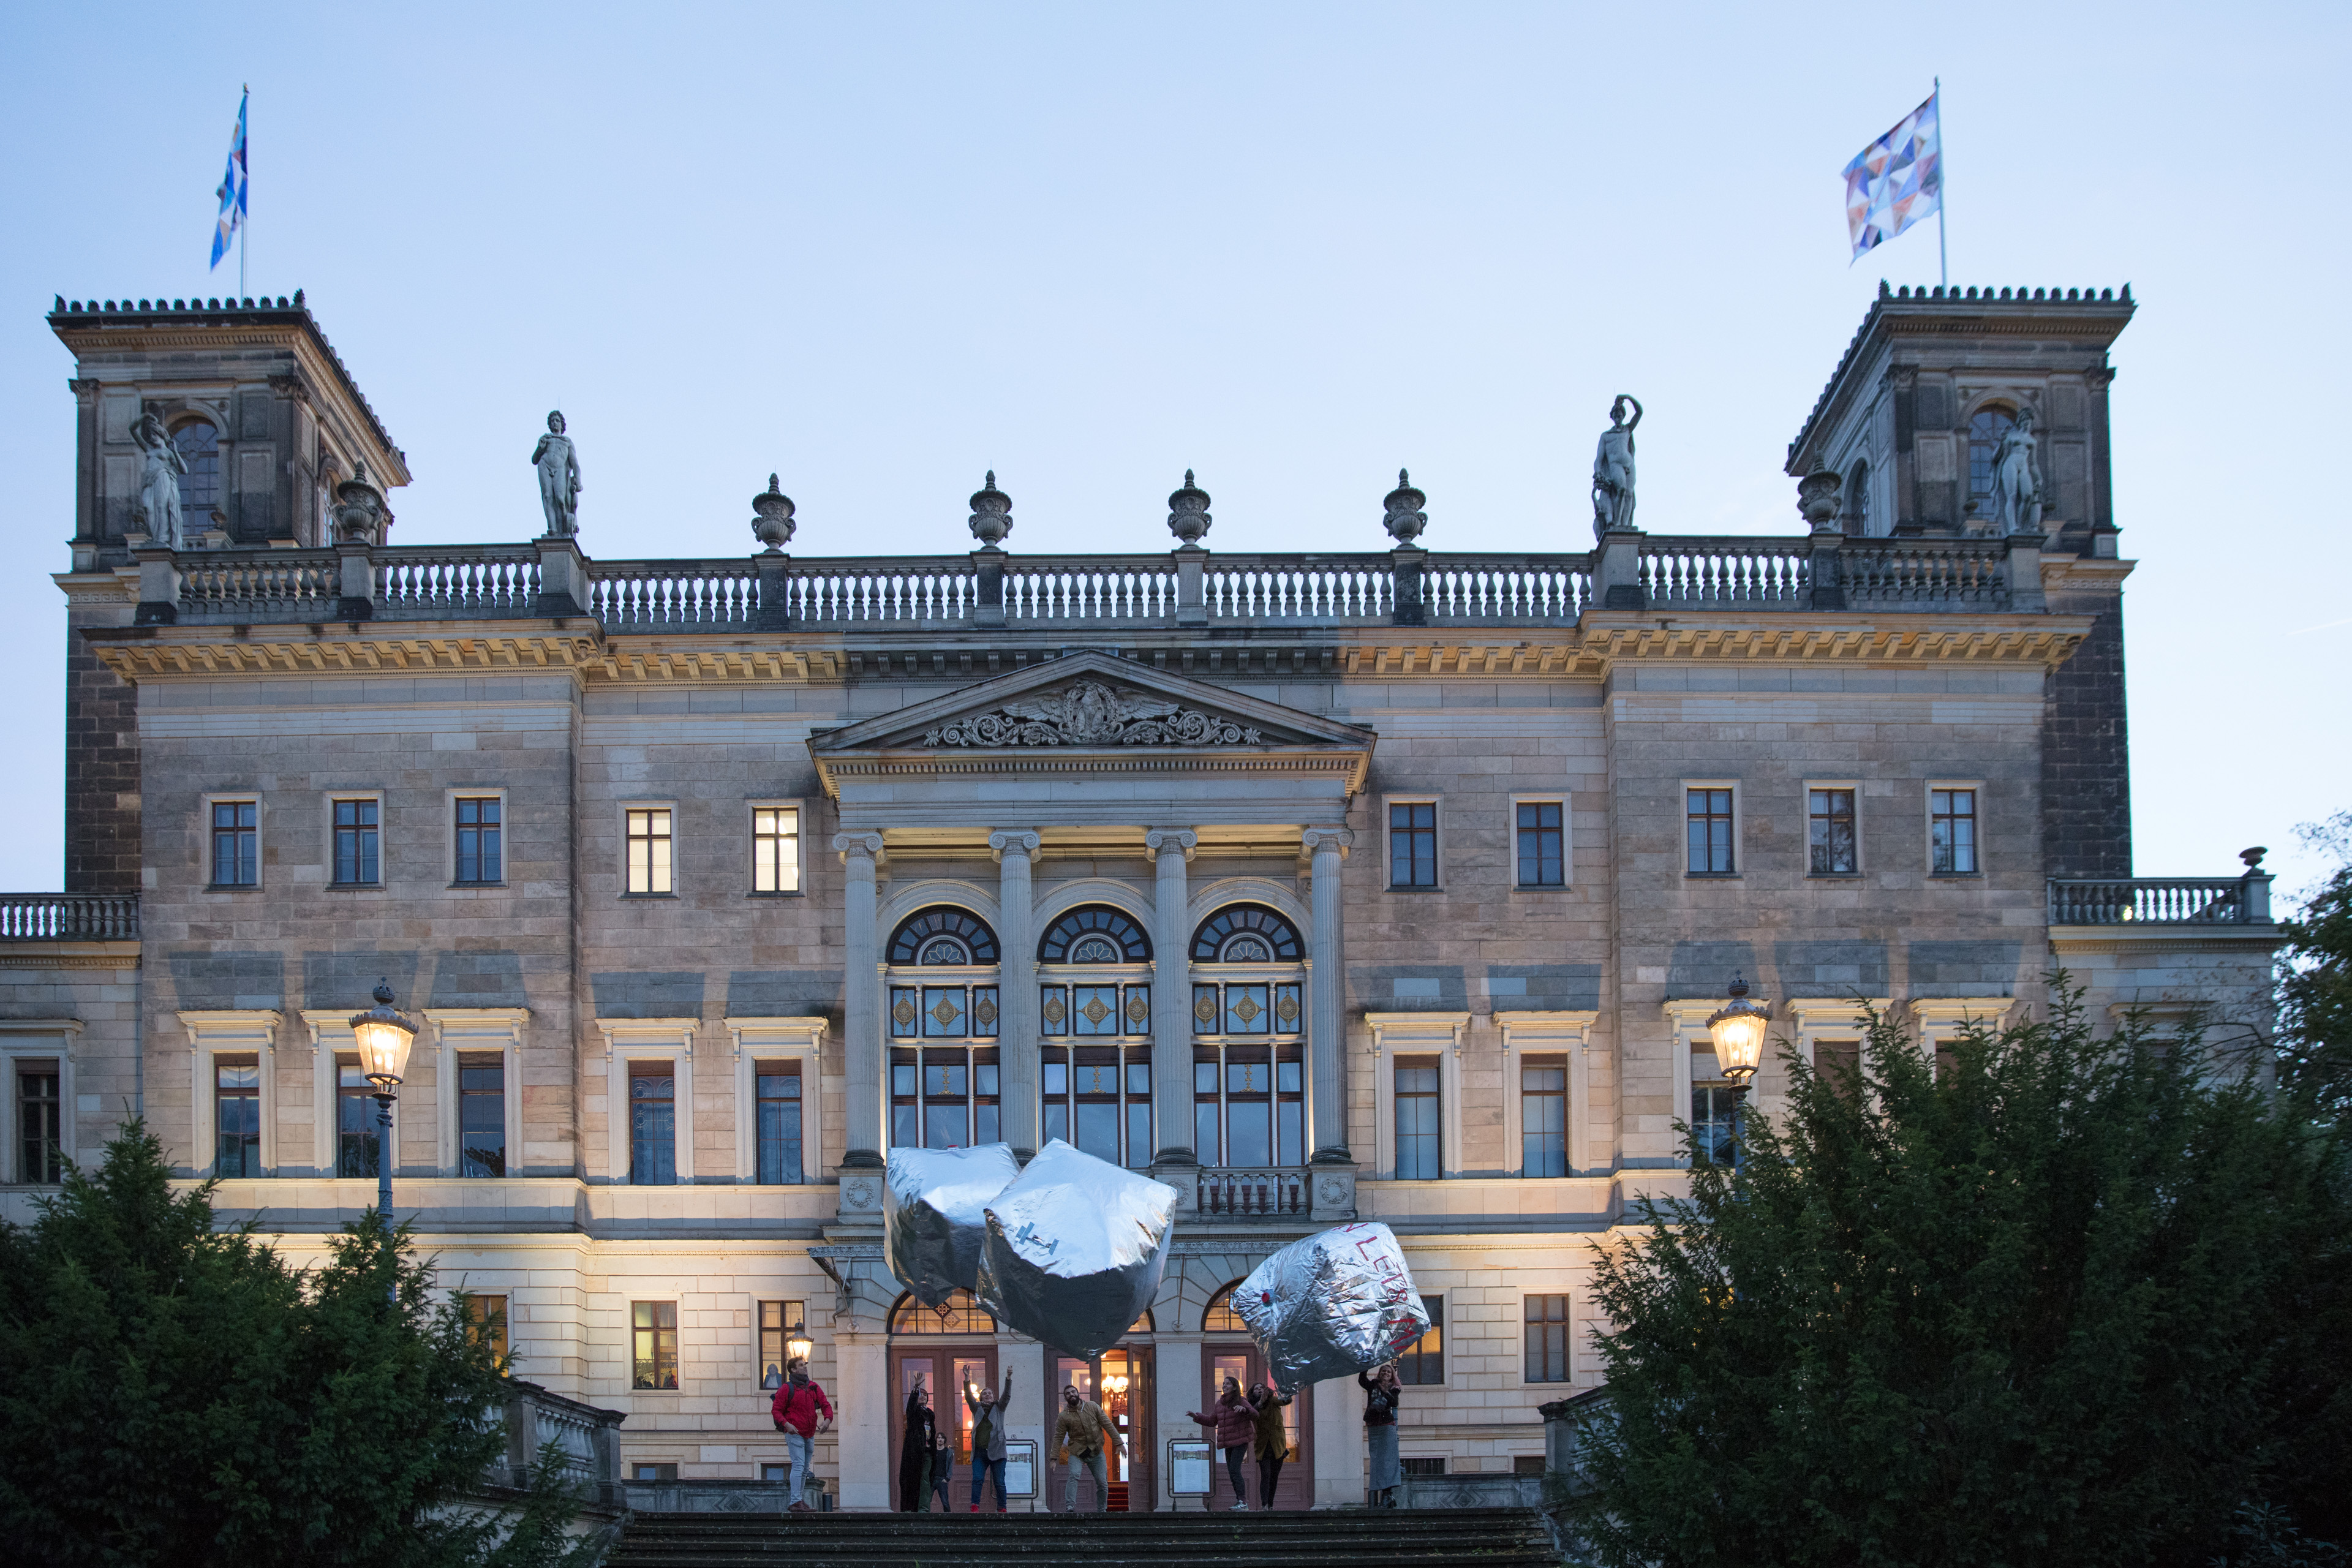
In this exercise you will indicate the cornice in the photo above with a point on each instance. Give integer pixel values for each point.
(201, 653)
(2139, 937)
(1064, 762)
(118, 588)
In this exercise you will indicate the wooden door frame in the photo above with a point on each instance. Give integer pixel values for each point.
(1302, 1402)
(1143, 1408)
(949, 1348)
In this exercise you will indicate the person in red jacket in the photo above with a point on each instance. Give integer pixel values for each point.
(1235, 1420)
(801, 1411)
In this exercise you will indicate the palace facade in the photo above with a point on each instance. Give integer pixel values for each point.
(1395, 885)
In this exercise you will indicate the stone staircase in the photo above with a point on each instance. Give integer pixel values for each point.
(1334, 1538)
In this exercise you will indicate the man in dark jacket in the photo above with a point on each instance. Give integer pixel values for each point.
(801, 1411)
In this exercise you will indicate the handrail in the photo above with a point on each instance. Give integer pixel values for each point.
(68, 917)
(1267, 1194)
(258, 585)
(452, 585)
(1701, 571)
(673, 595)
(1880, 573)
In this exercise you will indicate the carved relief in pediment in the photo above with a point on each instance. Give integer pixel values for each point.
(1089, 713)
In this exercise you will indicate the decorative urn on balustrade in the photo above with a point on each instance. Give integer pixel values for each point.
(992, 513)
(774, 526)
(1188, 512)
(1405, 520)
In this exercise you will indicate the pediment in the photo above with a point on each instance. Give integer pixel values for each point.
(1093, 705)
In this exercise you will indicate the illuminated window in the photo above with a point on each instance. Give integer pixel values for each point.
(1424, 1361)
(775, 849)
(653, 1350)
(649, 846)
(1546, 1326)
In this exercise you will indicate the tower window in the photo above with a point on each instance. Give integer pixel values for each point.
(1986, 428)
(199, 448)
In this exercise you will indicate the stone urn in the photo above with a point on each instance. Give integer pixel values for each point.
(1188, 512)
(772, 526)
(992, 513)
(359, 507)
(1817, 499)
(1405, 520)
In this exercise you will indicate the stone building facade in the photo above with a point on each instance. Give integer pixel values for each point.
(1393, 886)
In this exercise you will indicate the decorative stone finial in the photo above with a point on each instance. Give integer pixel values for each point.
(1405, 520)
(2253, 857)
(1188, 511)
(773, 524)
(359, 507)
(992, 513)
(1817, 498)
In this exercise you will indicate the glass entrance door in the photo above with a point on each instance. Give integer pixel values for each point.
(948, 1371)
(1244, 1363)
(1120, 1380)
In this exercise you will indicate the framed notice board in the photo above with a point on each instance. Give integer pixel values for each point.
(1021, 1467)
(1189, 1466)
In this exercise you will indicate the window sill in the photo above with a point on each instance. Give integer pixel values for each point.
(1395, 888)
(1832, 876)
(1543, 887)
(475, 887)
(232, 887)
(354, 887)
(1955, 876)
(795, 893)
(1712, 876)
(644, 897)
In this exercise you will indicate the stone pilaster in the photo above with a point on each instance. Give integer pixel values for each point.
(1326, 1028)
(861, 1006)
(1017, 1021)
(1171, 997)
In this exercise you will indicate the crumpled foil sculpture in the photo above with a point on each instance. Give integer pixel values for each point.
(1337, 1302)
(1074, 1249)
(932, 1221)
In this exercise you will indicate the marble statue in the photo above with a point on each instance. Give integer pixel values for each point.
(559, 478)
(2017, 478)
(1612, 469)
(157, 507)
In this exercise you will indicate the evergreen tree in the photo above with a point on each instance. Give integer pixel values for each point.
(2315, 983)
(2054, 1300)
(177, 1394)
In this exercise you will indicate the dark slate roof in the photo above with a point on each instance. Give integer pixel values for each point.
(1926, 301)
(229, 313)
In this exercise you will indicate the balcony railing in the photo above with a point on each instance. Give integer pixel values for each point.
(2161, 900)
(988, 589)
(68, 917)
(1242, 1192)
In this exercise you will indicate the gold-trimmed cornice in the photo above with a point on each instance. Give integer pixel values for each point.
(205, 651)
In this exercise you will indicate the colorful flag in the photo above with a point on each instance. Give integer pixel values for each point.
(1898, 179)
(232, 189)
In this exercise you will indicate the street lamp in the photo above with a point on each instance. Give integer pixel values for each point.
(797, 1343)
(1738, 1029)
(384, 1037)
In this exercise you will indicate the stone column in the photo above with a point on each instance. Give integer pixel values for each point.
(1340, 1471)
(1171, 997)
(1016, 1007)
(1327, 1029)
(861, 1010)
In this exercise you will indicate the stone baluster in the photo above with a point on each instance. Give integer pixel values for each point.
(1171, 997)
(861, 1008)
(1325, 848)
(1016, 1020)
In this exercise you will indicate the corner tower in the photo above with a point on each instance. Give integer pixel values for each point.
(1911, 423)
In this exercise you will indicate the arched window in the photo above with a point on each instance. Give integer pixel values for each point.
(942, 934)
(1219, 1317)
(1246, 934)
(1857, 500)
(199, 448)
(1093, 933)
(1986, 428)
(958, 1314)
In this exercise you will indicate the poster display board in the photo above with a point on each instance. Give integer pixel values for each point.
(1020, 1468)
(1189, 1468)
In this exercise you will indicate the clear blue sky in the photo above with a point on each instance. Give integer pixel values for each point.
(881, 248)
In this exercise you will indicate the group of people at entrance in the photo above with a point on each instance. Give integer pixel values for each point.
(1249, 1424)
(927, 1452)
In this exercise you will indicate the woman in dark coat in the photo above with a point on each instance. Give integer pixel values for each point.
(1381, 1400)
(1234, 1422)
(1271, 1442)
(915, 1452)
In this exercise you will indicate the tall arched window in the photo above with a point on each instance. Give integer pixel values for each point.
(1857, 500)
(1219, 1317)
(199, 448)
(1986, 428)
(1249, 1022)
(944, 1066)
(1094, 1009)
(958, 1314)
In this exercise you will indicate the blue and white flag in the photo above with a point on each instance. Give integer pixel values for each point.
(233, 186)
(1898, 179)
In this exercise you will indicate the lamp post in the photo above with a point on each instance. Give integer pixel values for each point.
(797, 1343)
(383, 1038)
(1737, 1030)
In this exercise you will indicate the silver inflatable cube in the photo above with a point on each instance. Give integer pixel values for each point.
(1074, 1249)
(933, 1203)
(1339, 1302)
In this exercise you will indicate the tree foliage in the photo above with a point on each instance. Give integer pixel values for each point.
(2058, 1299)
(2315, 983)
(175, 1393)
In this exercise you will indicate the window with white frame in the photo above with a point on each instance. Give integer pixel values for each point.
(236, 1115)
(1094, 1010)
(653, 1124)
(779, 1135)
(777, 1085)
(944, 1006)
(37, 1131)
(1543, 1115)
(776, 848)
(647, 829)
(1420, 1137)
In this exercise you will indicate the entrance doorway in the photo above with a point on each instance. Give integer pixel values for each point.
(942, 1350)
(1120, 1380)
(1239, 1358)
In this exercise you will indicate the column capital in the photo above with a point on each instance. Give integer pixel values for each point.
(1317, 839)
(1002, 843)
(1163, 838)
(859, 846)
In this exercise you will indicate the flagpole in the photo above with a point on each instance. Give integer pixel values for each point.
(245, 197)
(1943, 188)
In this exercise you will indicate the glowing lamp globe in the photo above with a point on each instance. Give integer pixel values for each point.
(1739, 1032)
(384, 1037)
(798, 1344)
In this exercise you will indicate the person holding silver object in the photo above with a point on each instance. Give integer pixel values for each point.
(1079, 1432)
(1270, 1442)
(1234, 1420)
(1380, 1398)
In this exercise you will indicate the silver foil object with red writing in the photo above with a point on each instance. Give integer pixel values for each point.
(1339, 1302)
